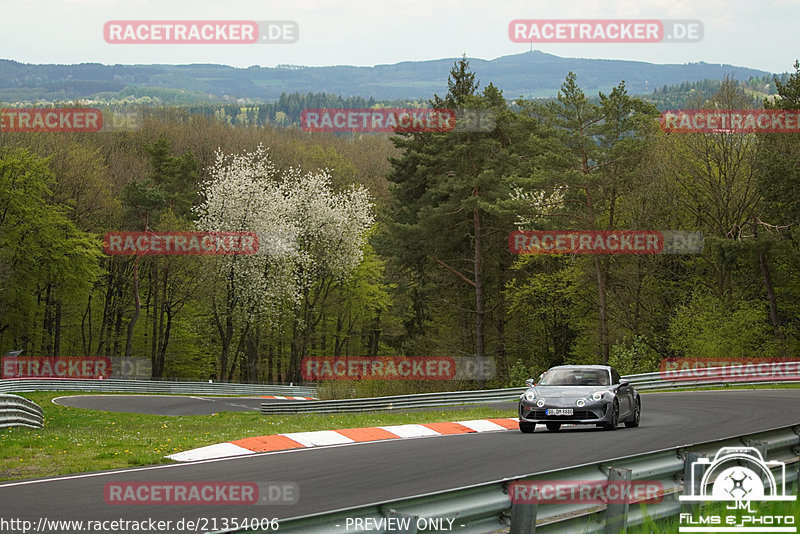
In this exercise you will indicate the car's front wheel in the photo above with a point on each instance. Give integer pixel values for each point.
(612, 425)
(527, 428)
(633, 423)
(553, 426)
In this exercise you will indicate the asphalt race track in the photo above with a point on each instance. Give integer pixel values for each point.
(164, 404)
(350, 475)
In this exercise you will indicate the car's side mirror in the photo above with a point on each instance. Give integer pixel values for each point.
(529, 382)
(624, 383)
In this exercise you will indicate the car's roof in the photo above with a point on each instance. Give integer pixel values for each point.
(606, 367)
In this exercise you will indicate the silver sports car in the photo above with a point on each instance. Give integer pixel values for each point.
(579, 394)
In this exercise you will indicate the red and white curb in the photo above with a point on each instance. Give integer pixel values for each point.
(299, 440)
(286, 398)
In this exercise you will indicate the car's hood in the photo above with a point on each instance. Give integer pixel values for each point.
(567, 392)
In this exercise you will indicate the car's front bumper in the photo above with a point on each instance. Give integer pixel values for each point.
(591, 413)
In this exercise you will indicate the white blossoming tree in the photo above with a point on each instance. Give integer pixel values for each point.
(309, 236)
(332, 229)
(535, 205)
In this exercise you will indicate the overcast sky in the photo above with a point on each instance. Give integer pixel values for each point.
(762, 34)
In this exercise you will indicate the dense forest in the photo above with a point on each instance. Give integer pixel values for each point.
(375, 244)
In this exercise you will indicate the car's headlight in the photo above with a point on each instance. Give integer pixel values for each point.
(597, 395)
(529, 396)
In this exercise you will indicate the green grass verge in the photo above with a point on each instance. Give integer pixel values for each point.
(76, 440)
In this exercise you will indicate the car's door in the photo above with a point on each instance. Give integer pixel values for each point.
(624, 395)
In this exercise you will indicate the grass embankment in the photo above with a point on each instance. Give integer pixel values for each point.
(76, 440)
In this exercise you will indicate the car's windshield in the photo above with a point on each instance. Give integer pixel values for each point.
(575, 377)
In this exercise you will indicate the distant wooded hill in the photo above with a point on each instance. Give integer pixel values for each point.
(530, 74)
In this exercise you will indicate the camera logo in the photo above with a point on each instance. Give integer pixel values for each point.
(739, 474)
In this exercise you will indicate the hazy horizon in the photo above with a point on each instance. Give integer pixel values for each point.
(367, 34)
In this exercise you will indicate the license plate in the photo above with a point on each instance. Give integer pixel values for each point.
(558, 411)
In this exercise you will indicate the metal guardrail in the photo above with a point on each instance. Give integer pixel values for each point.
(17, 385)
(488, 507)
(678, 384)
(369, 404)
(645, 381)
(18, 411)
(715, 376)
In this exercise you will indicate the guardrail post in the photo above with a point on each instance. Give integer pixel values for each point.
(617, 512)
(523, 515)
(796, 491)
(796, 452)
(695, 486)
(761, 447)
(693, 483)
